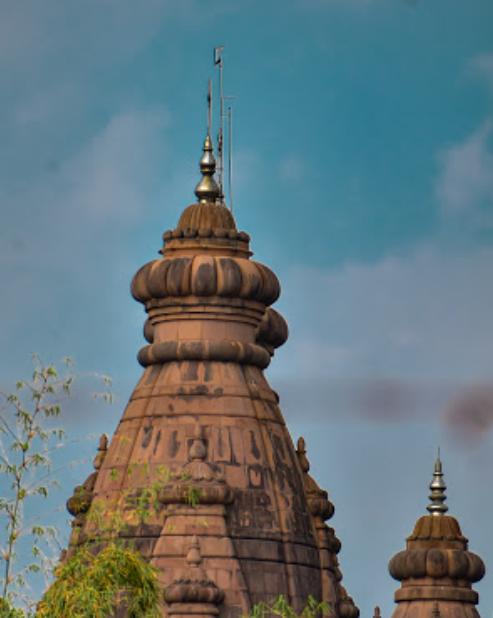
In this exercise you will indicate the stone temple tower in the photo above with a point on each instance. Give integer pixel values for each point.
(238, 519)
(436, 569)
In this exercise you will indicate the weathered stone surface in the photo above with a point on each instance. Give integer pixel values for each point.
(437, 571)
(204, 431)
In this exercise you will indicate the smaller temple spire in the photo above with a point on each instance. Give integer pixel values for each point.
(438, 487)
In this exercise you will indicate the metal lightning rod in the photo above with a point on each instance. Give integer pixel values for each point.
(218, 61)
(209, 108)
(230, 151)
(230, 156)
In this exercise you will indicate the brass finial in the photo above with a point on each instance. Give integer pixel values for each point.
(207, 190)
(376, 613)
(438, 487)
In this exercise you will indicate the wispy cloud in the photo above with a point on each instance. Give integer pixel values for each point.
(63, 220)
(110, 177)
(424, 314)
(293, 168)
(319, 4)
(482, 65)
(402, 340)
(465, 184)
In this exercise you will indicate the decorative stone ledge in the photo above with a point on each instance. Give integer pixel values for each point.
(206, 276)
(200, 350)
(437, 562)
(436, 593)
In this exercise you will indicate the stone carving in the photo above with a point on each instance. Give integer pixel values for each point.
(80, 503)
(198, 478)
(193, 586)
(319, 505)
(322, 509)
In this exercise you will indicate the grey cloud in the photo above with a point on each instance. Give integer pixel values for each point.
(378, 400)
(464, 409)
(395, 341)
(470, 412)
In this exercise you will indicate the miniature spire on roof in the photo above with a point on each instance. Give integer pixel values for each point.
(438, 487)
(208, 190)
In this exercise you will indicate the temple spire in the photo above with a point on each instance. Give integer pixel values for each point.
(438, 487)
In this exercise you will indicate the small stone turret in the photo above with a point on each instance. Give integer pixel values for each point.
(436, 569)
(192, 593)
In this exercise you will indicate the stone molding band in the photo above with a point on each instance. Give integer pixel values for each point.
(199, 609)
(199, 350)
(437, 563)
(436, 593)
(208, 494)
(206, 276)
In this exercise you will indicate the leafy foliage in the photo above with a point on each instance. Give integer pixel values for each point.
(89, 586)
(104, 574)
(8, 611)
(26, 441)
(280, 607)
(28, 437)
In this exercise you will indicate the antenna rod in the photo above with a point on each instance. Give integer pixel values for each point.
(230, 153)
(218, 61)
(220, 141)
(209, 108)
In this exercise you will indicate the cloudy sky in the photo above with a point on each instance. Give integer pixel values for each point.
(363, 158)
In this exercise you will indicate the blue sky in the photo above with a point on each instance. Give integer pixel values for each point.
(363, 157)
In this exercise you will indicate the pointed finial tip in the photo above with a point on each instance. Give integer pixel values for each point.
(438, 487)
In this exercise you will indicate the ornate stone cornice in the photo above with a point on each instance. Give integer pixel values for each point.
(205, 276)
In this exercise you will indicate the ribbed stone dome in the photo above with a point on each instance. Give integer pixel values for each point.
(208, 216)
